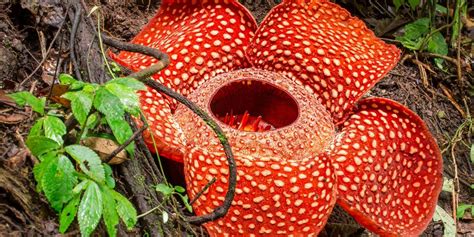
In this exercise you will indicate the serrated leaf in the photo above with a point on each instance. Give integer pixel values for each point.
(38, 170)
(54, 128)
(125, 209)
(39, 145)
(77, 85)
(37, 128)
(164, 189)
(449, 226)
(129, 82)
(26, 98)
(111, 218)
(66, 79)
(108, 104)
(127, 96)
(437, 44)
(88, 160)
(58, 181)
(90, 209)
(109, 179)
(81, 186)
(122, 132)
(92, 121)
(68, 214)
(81, 104)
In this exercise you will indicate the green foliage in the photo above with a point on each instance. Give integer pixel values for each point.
(168, 190)
(74, 180)
(418, 36)
(462, 208)
(413, 4)
(26, 98)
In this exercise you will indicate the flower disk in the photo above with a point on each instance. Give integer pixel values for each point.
(285, 183)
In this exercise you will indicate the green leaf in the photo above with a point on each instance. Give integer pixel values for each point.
(125, 209)
(127, 96)
(54, 129)
(81, 186)
(185, 200)
(26, 98)
(109, 179)
(39, 169)
(122, 132)
(92, 121)
(129, 82)
(39, 145)
(68, 214)
(413, 4)
(449, 226)
(37, 128)
(108, 104)
(77, 85)
(164, 189)
(111, 218)
(90, 209)
(81, 104)
(179, 189)
(414, 33)
(66, 79)
(441, 9)
(88, 160)
(462, 209)
(58, 181)
(398, 3)
(437, 44)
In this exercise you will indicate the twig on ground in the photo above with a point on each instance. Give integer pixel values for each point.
(45, 57)
(125, 144)
(453, 101)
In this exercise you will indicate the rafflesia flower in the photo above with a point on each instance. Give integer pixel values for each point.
(287, 94)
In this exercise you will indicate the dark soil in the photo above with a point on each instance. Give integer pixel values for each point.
(23, 212)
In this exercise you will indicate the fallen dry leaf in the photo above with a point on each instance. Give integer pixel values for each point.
(104, 147)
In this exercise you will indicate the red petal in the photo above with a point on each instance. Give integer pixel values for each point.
(167, 135)
(202, 39)
(283, 186)
(389, 168)
(323, 47)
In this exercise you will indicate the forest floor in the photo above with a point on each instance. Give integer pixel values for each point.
(437, 96)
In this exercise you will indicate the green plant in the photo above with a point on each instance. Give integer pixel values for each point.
(419, 36)
(73, 178)
(167, 190)
(412, 3)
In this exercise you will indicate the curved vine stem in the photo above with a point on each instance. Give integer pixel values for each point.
(144, 76)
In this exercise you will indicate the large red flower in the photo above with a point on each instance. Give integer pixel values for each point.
(302, 139)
